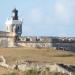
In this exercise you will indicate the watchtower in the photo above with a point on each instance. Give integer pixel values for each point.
(14, 24)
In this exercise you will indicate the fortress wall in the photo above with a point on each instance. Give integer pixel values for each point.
(36, 45)
(6, 39)
(3, 42)
(11, 42)
(64, 46)
(6, 42)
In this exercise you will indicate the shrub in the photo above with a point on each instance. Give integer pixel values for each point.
(32, 72)
(10, 73)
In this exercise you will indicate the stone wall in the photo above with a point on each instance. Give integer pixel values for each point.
(7, 42)
(64, 43)
(7, 39)
(35, 45)
(65, 46)
(62, 46)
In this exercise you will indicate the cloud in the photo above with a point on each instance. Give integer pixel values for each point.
(59, 8)
(57, 18)
(62, 21)
(64, 11)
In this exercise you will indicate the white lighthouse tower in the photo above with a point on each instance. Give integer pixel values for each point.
(14, 24)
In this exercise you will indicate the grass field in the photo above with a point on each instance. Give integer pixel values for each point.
(33, 54)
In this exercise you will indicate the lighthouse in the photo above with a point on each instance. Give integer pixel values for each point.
(14, 24)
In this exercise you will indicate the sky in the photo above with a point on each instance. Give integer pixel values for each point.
(41, 17)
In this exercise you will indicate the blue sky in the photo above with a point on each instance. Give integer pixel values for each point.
(42, 17)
